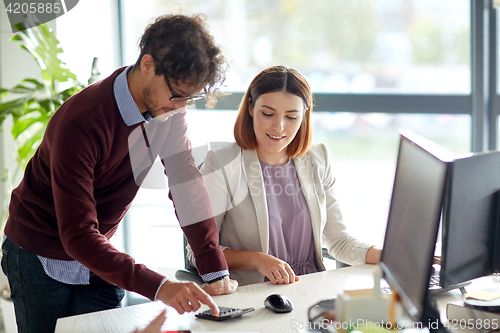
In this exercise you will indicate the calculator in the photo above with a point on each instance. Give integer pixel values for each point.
(225, 313)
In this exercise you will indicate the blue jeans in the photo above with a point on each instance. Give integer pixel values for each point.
(40, 300)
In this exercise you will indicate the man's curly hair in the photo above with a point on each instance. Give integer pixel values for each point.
(185, 51)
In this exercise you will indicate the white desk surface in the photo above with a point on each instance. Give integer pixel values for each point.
(309, 290)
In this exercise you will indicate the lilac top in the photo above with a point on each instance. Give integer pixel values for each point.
(290, 228)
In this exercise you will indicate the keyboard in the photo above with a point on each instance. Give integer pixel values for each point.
(225, 313)
(434, 286)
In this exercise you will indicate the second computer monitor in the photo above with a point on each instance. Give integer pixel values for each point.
(413, 221)
(470, 219)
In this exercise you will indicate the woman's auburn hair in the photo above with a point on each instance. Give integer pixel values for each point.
(272, 79)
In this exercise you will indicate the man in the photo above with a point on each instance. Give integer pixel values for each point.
(95, 153)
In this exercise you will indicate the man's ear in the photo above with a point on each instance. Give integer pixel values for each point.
(147, 65)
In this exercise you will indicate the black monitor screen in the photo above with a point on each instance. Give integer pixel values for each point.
(470, 218)
(413, 221)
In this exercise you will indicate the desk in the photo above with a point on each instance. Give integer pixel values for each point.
(481, 283)
(310, 289)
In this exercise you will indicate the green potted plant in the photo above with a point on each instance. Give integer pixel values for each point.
(36, 100)
(31, 103)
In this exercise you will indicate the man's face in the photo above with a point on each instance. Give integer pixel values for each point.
(157, 95)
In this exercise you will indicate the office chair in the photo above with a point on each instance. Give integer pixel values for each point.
(189, 273)
(338, 264)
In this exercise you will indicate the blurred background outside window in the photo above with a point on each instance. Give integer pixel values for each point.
(343, 46)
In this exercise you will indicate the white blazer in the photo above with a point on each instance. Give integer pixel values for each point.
(235, 183)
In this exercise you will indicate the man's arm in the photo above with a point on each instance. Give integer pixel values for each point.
(201, 234)
(193, 208)
(185, 296)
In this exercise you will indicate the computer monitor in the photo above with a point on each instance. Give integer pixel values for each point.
(470, 219)
(413, 221)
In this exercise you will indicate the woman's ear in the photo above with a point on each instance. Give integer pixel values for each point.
(250, 111)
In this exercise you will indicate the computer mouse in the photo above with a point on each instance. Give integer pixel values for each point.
(278, 303)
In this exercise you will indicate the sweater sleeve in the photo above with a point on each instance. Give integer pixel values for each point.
(74, 153)
(218, 191)
(191, 199)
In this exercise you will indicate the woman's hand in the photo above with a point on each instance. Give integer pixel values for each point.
(373, 255)
(276, 270)
(155, 325)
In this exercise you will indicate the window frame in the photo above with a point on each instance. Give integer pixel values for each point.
(482, 104)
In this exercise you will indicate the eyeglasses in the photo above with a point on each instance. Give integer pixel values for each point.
(178, 98)
(175, 96)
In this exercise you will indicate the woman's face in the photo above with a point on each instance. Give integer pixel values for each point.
(277, 117)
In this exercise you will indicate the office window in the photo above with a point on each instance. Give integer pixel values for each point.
(369, 46)
(82, 39)
(363, 150)
(498, 132)
(344, 46)
(497, 53)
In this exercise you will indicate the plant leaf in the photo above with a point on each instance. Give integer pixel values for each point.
(23, 124)
(27, 86)
(15, 107)
(49, 49)
(28, 149)
(39, 98)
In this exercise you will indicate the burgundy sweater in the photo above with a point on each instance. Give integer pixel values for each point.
(80, 183)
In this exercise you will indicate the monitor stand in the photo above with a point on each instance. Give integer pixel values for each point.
(436, 288)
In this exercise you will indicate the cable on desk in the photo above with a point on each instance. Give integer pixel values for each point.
(332, 301)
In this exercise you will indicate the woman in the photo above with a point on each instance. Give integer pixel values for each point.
(272, 191)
